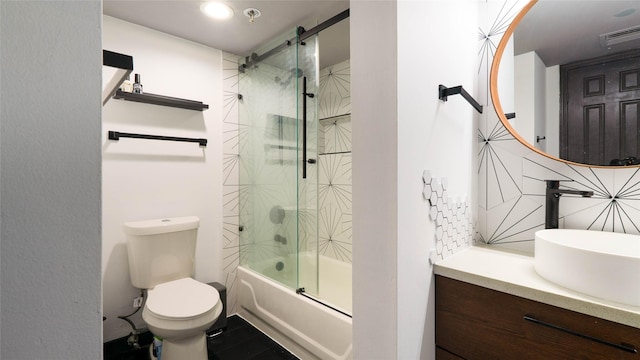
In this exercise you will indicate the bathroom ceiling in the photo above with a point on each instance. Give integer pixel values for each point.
(563, 31)
(183, 18)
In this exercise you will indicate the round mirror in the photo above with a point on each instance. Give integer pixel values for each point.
(565, 80)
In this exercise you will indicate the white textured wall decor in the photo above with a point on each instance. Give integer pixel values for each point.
(512, 189)
(453, 220)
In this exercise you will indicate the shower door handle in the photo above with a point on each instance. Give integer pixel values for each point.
(305, 94)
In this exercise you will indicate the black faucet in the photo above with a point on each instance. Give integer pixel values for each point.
(552, 212)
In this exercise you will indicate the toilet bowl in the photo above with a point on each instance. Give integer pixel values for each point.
(180, 312)
(178, 308)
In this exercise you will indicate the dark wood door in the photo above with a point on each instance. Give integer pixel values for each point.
(600, 112)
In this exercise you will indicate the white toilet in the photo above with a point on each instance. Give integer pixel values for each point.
(178, 308)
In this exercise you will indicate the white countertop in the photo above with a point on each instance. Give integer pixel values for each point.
(514, 274)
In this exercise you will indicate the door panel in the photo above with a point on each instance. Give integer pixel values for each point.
(599, 120)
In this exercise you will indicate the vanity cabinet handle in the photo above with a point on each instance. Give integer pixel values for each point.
(622, 346)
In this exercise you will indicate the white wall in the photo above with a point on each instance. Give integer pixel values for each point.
(375, 182)
(434, 135)
(50, 177)
(147, 179)
(401, 128)
(552, 102)
(529, 97)
(506, 76)
(540, 123)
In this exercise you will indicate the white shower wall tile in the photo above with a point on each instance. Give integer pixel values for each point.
(229, 102)
(335, 90)
(230, 88)
(334, 164)
(230, 73)
(230, 133)
(230, 169)
(336, 134)
(334, 237)
(232, 194)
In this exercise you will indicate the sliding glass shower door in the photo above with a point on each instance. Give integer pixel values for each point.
(278, 151)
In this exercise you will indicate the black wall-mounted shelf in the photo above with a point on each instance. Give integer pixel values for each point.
(161, 100)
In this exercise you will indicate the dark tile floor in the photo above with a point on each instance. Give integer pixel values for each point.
(240, 341)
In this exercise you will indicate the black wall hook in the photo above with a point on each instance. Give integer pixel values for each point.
(444, 92)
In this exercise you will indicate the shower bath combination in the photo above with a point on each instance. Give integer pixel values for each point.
(279, 214)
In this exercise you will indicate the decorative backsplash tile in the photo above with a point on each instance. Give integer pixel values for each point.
(511, 192)
(453, 220)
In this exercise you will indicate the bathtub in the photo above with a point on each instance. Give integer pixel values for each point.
(307, 329)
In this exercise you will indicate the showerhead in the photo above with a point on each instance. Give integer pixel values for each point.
(297, 72)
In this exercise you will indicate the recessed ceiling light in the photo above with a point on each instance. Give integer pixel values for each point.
(217, 10)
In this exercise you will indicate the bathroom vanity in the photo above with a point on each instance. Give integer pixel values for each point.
(491, 304)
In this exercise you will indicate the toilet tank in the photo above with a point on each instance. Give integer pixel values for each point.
(161, 250)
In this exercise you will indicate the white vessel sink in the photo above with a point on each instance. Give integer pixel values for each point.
(596, 263)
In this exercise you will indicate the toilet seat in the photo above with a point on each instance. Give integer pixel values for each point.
(182, 299)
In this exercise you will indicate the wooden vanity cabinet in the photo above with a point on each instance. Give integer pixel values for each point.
(473, 322)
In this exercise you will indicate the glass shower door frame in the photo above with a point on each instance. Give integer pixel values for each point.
(279, 214)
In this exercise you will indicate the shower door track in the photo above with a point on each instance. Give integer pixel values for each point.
(300, 291)
(316, 29)
(302, 35)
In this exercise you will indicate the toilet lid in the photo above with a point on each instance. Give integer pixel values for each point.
(183, 299)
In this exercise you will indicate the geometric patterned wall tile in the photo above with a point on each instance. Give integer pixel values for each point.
(501, 171)
(495, 16)
(231, 189)
(506, 167)
(334, 163)
(513, 221)
(335, 181)
(334, 234)
(335, 90)
(336, 132)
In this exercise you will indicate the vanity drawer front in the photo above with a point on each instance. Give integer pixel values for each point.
(478, 323)
(442, 354)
